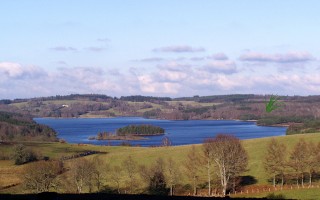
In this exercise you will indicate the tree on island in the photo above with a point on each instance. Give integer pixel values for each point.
(140, 130)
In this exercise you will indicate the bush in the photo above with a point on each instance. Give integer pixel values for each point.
(157, 184)
(275, 196)
(21, 155)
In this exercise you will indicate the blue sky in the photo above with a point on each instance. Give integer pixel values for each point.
(161, 48)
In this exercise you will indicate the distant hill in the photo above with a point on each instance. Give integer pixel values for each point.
(18, 127)
(233, 106)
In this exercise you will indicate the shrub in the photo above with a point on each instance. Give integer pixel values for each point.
(275, 196)
(21, 155)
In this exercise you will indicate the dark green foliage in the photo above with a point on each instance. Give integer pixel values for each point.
(151, 113)
(139, 98)
(91, 97)
(272, 120)
(5, 101)
(140, 130)
(157, 184)
(21, 155)
(228, 98)
(198, 111)
(308, 126)
(275, 196)
(15, 126)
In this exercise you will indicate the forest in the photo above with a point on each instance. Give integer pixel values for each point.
(18, 127)
(142, 130)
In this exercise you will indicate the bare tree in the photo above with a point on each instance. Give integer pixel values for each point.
(81, 174)
(116, 176)
(229, 156)
(166, 142)
(130, 167)
(275, 160)
(299, 160)
(41, 176)
(172, 174)
(192, 166)
(313, 164)
(100, 171)
(207, 160)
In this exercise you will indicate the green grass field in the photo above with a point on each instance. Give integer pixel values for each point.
(302, 193)
(115, 155)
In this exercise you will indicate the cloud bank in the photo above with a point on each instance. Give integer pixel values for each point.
(292, 57)
(170, 78)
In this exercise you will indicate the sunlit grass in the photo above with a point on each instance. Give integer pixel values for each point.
(115, 155)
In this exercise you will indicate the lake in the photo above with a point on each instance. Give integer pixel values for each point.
(78, 130)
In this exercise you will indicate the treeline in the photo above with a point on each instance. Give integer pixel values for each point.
(307, 126)
(298, 166)
(140, 130)
(17, 127)
(237, 106)
(89, 97)
(273, 120)
(139, 98)
(225, 98)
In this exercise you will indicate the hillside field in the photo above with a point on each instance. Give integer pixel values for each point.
(115, 155)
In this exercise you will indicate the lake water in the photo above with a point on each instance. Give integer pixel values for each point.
(78, 130)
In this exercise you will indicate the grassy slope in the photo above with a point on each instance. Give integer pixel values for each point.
(306, 193)
(115, 156)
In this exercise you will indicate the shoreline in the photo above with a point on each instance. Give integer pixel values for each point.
(136, 137)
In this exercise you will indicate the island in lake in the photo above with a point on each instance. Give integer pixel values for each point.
(130, 132)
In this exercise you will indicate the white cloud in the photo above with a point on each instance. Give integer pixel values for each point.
(225, 67)
(11, 69)
(170, 79)
(291, 57)
(152, 59)
(64, 48)
(17, 71)
(96, 49)
(218, 56)
(179, 49)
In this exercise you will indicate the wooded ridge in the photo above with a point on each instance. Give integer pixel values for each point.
(295, 109)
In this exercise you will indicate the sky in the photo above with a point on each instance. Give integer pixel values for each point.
(172, 48)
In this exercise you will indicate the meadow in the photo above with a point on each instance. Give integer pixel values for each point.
(10, 174)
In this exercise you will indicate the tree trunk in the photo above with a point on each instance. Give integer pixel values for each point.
(224, 189)
(302, 177)
(282, 180)
(274, 180)
(310, 178)
(234, 185)
(118, 188)
(209, 178)
(224, 182)
(171, 190)
(194, 186)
